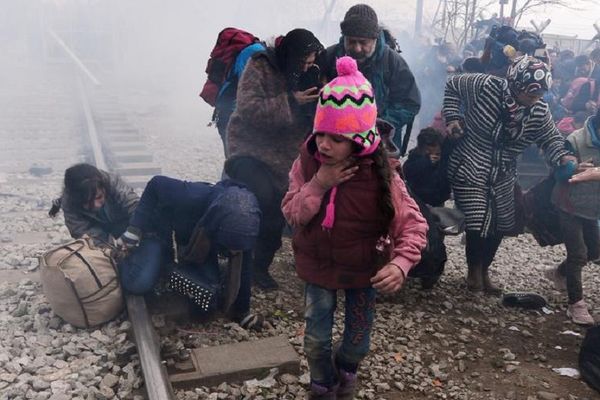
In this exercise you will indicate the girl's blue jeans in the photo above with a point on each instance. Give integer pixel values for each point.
(320, 305)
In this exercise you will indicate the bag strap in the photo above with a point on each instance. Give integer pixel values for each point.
(81, 307)
(79, 243)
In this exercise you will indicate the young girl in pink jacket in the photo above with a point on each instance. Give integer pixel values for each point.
(355, 228)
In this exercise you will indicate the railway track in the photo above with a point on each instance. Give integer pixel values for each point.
(116, 145)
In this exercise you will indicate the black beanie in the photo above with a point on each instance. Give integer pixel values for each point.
(360, 21)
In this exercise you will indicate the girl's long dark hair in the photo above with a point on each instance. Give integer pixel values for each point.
(80, 185)
(384, 173)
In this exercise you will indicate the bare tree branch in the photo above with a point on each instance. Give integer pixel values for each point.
(530, 5)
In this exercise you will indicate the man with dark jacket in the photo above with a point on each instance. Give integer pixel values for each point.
(398, 98)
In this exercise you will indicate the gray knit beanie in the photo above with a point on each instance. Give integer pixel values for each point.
(360, 21)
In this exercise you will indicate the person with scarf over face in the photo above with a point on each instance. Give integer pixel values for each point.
(267, 127)
(356, 228)
(496, 119)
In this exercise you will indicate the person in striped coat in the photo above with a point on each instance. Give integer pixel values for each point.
(495, 119)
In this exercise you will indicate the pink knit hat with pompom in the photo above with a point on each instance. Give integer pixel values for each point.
(346, 107)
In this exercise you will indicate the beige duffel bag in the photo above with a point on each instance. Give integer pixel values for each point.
(81, 283)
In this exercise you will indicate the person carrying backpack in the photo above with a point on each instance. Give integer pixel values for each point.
(227, 61)
(396, 91)
(496, 119)
(584, 90)
(267, 127)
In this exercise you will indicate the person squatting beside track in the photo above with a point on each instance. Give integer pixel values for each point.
(265, 131)
(355, 228)
(206, 221)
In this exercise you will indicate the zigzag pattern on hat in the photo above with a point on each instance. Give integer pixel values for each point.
(365, 138)
(347, 100)
(340, 90)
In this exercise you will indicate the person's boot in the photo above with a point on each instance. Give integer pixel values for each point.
(488, 286)
(347, 385)
(260, 270)
(263, 279)
(474, 278)
(320, 392)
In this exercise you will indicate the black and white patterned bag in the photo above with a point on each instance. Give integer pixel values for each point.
(190, 282)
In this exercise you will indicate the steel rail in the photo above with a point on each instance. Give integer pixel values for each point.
(73, 57)
(156, 380)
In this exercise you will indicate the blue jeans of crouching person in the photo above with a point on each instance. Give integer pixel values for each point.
(140, 270)
(320, 305)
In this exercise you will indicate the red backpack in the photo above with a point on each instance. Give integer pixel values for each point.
(574, 90)
(222, 57)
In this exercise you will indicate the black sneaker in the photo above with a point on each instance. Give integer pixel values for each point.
(529, 301)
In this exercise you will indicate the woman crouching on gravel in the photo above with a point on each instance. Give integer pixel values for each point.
(95, 203)
(99, 204)
(347, 207)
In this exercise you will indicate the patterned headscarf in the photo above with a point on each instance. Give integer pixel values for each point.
(525, 75)
(529, 75)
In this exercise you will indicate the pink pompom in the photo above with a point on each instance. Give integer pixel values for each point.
(346, 66)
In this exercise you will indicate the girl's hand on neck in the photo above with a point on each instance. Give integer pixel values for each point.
(330, 175)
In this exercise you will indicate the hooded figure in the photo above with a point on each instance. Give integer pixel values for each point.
(206, 222)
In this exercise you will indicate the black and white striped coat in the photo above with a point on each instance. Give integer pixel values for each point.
(483, 167)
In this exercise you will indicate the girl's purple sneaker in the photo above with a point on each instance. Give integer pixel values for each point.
(320, 392)
(347, 385)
